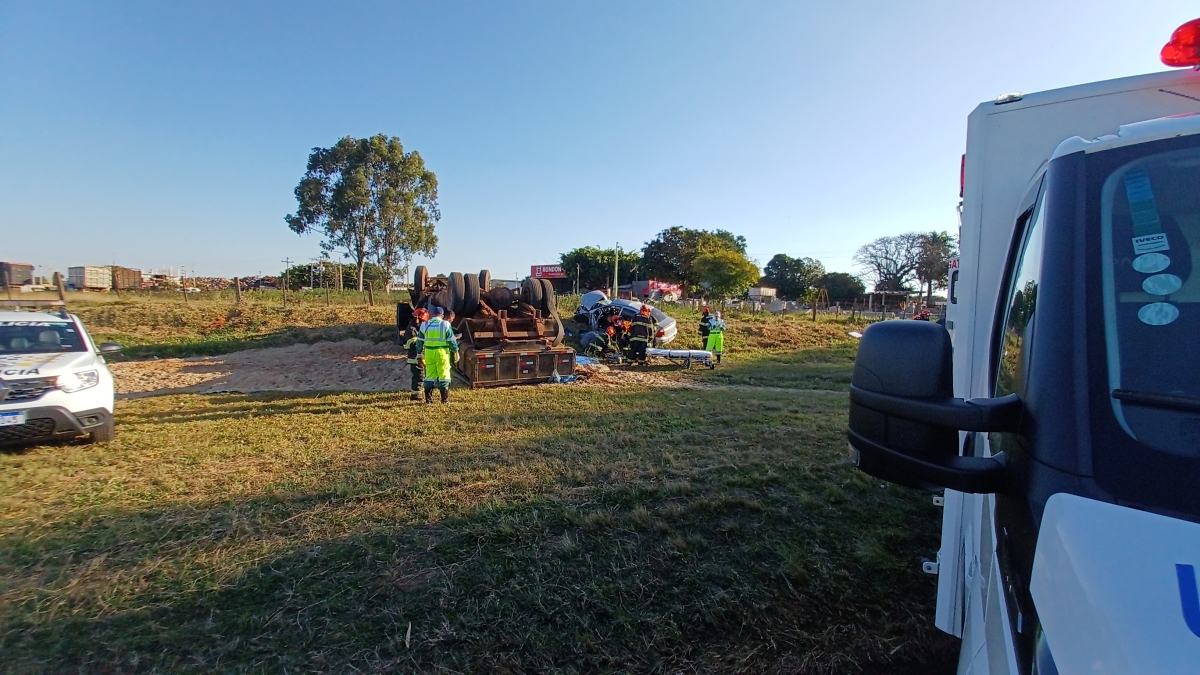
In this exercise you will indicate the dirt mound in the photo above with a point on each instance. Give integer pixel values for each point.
(613, 378)
(348, 365)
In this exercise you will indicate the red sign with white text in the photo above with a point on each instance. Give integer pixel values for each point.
(547, 272)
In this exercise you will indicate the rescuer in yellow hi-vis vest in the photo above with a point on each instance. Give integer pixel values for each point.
(439, 349)
(716, 335)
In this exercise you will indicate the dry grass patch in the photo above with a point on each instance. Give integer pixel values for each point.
(537, 529)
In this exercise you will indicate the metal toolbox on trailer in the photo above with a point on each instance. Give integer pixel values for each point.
(497, 367)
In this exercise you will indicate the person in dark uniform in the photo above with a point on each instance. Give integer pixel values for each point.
(704, 327)
(641, 332)
(412, 355)
(594, 343)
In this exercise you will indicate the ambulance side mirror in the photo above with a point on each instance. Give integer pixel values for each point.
(904, 419)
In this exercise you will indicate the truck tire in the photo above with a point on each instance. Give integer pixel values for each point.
(420, 281)
(457, 286)
(439, 299)
(549, 301)
(485, 281)
(531, 293)
(103, 433)
(471, 303)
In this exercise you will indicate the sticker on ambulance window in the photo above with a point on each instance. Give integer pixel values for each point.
(1148, 236)
(1162, 284)
(1151, 243)
(1158, 313)
(1151, 263)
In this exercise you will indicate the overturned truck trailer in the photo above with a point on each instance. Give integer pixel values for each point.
(507, 337)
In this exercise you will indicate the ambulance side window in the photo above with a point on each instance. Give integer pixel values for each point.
(1021, 304)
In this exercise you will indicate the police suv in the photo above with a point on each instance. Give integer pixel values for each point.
(53, 380)
(1059, 407)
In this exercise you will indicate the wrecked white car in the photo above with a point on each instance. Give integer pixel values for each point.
(595, 305)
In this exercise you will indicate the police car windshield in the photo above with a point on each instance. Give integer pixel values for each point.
(39, 337)
(1150, 238)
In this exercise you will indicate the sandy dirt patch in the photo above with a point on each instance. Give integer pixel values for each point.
(347, 365)
(600, 375)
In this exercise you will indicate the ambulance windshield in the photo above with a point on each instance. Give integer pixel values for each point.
(1150, 237)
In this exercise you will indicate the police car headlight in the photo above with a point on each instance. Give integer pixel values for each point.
(72, 382)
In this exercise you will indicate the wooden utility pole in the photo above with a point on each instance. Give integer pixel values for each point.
(283, 282)
(616, 287)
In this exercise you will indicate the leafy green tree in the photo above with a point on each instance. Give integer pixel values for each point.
(841, 286)
(726, 273)
(933, 262)
(595, 266)
(405, 203)
(671, 256)
(792, 278)
(368, 198)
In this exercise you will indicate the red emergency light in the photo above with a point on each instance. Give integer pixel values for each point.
(1184, 47)
(962, 175)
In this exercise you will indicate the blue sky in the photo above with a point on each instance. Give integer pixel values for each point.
(168, 134)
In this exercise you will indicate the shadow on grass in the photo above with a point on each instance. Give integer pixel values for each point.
(693, 531)
(217, 407)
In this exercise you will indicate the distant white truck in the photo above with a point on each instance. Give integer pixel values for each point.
(89, 277)
(54, 383)
(1059, 407)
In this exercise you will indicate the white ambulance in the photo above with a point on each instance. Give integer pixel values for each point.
(1059, 406)
(54, 383)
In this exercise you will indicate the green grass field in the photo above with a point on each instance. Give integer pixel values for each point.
(532, 529)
